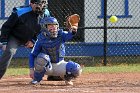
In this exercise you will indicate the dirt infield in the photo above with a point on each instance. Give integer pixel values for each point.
(86, 83)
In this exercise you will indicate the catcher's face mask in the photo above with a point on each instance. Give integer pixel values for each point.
(52, 29)
(51, 25)
(39, 6)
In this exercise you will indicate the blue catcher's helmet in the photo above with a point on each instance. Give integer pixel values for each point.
(73, 69)
(48, 21)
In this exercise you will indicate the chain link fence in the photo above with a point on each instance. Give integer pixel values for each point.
(87, 47)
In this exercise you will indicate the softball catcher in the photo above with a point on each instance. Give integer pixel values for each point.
(47, 56)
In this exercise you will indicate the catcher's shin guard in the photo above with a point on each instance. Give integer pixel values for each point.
(73, 70)
(38, 76)
(42, 62)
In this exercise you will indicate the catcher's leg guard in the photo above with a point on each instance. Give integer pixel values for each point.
(39, 75)
(42, 64)
(73, 70)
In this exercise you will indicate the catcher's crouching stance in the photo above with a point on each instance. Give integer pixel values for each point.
(66, 70)
(47, 56)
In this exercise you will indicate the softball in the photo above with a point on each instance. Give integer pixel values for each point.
(113, 19)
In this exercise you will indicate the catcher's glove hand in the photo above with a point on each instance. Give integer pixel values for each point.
(72, 21)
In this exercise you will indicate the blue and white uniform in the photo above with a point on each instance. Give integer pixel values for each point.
(47, 56)
(54, 48)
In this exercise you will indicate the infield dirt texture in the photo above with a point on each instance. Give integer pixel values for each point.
(86, 83)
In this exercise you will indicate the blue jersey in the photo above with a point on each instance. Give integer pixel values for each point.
(54, 47)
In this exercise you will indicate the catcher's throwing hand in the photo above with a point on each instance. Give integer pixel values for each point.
(72, 21)
(31, 73)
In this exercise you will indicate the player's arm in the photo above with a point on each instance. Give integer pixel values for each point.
(35, 51)
(68, 35)
(7, 27)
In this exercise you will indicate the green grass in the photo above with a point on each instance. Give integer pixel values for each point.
(113, 69)
(101, 69)
(17, 71)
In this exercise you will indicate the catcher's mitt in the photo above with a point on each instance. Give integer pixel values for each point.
(72, 20)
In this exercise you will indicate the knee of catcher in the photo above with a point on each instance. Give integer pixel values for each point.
(41, 61)
(73, 69)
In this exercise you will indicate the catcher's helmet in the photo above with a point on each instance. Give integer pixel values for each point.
(73, 69)
(47, 21)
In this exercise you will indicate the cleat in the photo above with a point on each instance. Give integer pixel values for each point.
(69, 83)
(34, 82)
